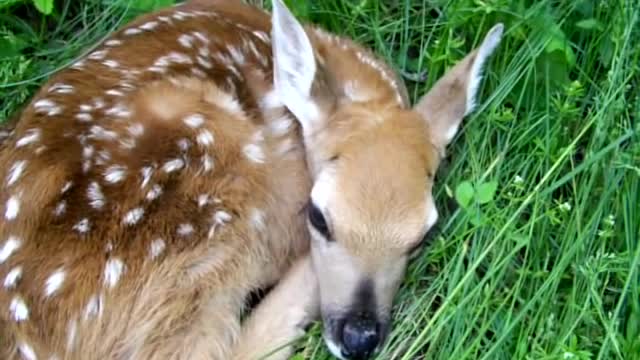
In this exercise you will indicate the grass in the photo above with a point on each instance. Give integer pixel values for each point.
(545, 267)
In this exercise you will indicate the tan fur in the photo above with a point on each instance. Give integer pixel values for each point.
(148, 189)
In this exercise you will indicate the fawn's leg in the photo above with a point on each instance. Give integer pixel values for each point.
(282, 316)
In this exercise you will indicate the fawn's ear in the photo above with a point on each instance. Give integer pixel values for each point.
(454, 95)
(298, 79)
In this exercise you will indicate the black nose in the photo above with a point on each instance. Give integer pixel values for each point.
(360, 337)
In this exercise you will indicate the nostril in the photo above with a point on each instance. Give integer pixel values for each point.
(360, 337)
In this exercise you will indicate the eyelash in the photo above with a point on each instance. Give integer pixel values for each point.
(318, 221)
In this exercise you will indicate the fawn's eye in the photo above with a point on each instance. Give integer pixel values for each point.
(318, 221)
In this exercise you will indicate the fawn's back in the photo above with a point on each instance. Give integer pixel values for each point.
(137, 186)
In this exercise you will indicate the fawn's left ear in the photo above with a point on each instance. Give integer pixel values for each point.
(297, 76)
(454, 95)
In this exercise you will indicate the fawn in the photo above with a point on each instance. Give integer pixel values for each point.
(205, 151)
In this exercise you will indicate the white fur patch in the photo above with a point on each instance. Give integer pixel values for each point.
(19, 310)
(15, 172)
(205, 138)
(185, 229)
(173, 165)
(31, 136)
(134, 216)
(154, 193)
(10, 246)
(194, 121)
(257, 218)
(54, 282)
(115, 173)
(156, 248)
(83, 226)
(254, 152)
(12, 208)
(113, 271)
(13, 277)
(95, 195)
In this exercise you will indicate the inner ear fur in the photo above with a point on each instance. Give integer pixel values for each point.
(454, 95)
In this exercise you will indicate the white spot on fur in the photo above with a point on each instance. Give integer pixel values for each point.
(203, 200)
(183, 144)
(19, 310)
(207, 163)
(205, 63)
(66, 187)
(85, 107)
(98, 55)
(173, 57)
(113, 42)
(154, 193)
(205, 138)
(48, 107)
(185, 229)
(132, 217)
(156, 248)
(60, 88)
(54, 282)
(136, 129)
(12, 278)
(132, 31)
(31, 136)
(27, 351)
(173, 165)
(12, 208)
(262, 36)
(111, 64)
(60, 208)
(114, 92)
(221, 217)
(83, 226)
(115, 174)
(199, 73)
(100, 133)
(10, 246)
(94, 306)
(149, 25)
(201, 37)
(95, 195)
(194, 121)
(186, 40)
(15, 172)
(146, 171)
(113, 271)
(374, 64)
(84, 117)
(120, 110)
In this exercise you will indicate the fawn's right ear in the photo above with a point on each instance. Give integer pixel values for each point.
(454, 95)
(298, 79)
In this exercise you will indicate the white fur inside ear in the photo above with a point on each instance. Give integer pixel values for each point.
(294, 65)
(487, 48)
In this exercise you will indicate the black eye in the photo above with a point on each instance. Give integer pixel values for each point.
(317, 220)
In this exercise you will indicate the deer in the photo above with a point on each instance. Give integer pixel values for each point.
(201, 153)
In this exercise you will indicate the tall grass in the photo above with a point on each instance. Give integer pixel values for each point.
(548, 266)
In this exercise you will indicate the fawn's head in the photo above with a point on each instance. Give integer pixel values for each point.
(373, 164)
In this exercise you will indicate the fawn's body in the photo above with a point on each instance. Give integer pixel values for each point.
(148, 189)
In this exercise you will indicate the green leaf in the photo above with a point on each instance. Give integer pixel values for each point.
(590, 24)
(297, 357)
(44, 6)
(150, 5)
(464, 194)
(486, 192)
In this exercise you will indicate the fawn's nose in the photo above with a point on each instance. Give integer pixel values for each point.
(360, 337)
